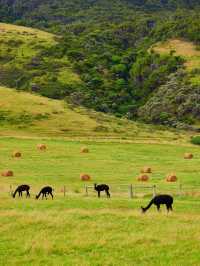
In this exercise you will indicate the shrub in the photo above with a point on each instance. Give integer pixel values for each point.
(195, 140)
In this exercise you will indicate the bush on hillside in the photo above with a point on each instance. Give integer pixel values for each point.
(195, 140)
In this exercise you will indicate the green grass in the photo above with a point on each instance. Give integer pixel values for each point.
(23, 49)
(80, 230)
(25, 114)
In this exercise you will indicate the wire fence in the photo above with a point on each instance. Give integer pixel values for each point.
(116, 190)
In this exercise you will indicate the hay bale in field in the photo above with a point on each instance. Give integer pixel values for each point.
(85, 177)
(171, 178)
(42, 147)
(143, 177)
(146, 170)
(7, 173)
(188, 155)
(84, 150)
(16, 154)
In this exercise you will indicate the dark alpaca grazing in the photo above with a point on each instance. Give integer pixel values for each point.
(160, 200)
(45, 191)
(20, 189)
(102, 187)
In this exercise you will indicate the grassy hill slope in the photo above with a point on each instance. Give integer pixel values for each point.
(27, 114)
(26, 61)
(187, 50)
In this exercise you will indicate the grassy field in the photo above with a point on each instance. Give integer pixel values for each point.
(80, 230)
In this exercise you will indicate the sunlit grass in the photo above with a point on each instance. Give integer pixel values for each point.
(84, 230)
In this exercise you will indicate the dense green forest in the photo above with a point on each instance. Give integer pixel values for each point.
(108, 45)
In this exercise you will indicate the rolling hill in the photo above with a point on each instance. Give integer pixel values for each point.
(24, 114)
(26, 62)
(97, 56)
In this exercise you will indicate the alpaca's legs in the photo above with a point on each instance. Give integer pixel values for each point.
(158, 207)
(51, 194)
(169, 207)
(108, 194)
(99, 194)
(28, 194)
(46, 196)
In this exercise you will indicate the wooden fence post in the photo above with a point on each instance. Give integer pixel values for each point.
(86, 190)
(11, 190)
(64, 190)
(154, 190)
(180, 189)
(131, 191)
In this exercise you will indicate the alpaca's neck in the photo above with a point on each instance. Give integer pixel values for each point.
(38, 195)
(15, 193)
(148, 206)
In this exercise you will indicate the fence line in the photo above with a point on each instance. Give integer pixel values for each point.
(128, 190)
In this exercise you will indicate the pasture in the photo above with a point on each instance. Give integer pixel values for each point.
(80, 230)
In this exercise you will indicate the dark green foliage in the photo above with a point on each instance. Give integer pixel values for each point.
(195, 140)
(174, 104)
(108, 45)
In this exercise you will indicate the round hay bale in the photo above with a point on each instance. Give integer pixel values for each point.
(171, 178)
(42, 147)
(85, 177)
(188, 155)
(146, 170)
(84, 150)
(7, 173)
(143, 178)
(16, 154)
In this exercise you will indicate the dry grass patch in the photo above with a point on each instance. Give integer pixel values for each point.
(182, 48)
(16, 154)
(146, 170)
(171, 178)
(143, 177)
(188, 155)
(7, 173)
(85, 177)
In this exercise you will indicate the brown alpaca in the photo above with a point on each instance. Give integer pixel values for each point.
(102, 187)
(45, 191)
(20, 189)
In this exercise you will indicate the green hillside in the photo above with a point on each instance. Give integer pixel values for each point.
(24, 114)
(26, 64)
(101, 57)
(176, 102)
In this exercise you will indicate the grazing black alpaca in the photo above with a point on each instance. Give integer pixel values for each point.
(159, 200)
(45, 191)
(20, 189)
(102, 187)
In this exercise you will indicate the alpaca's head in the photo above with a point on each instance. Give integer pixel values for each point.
(143, 210)
(13, 195)
(36, 197)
